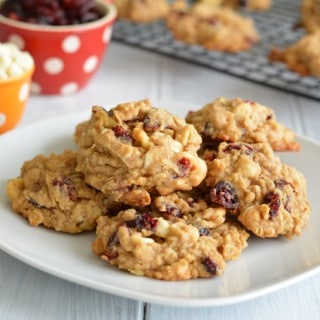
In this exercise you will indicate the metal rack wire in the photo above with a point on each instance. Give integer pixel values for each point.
(276, 29)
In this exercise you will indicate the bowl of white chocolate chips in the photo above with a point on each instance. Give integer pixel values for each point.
(16, 70)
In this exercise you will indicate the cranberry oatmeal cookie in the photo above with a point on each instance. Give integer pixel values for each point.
(310, 15)
(269, 198)
(302, 57)
(50, 192)
(196, 209)
(135, 150)
(145, 243)
(241, 120)
(142, 11)
(193, 206)
(212, 27)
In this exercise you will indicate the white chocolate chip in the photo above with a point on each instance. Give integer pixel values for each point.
(3, 75)
(13, 61)
(5, 61)
(162, 228)
(24, 60)
(15, 70)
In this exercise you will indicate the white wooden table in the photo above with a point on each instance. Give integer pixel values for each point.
(130, 74)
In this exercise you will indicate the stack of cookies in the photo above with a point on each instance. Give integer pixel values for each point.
(169, 198)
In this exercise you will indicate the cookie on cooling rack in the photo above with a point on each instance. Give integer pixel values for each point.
(302, 56)
(269, 198)
(135, 149)
(50, 192)
(310, 15)
(142, 11)
(214, 28)
(145, 243)
(235, 120)
(248, 4)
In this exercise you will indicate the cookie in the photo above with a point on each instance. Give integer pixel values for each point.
(310, 15)
(233, 120)
(302, 56)
(142, 11)
(235, 4)
(269, 198)
(214, 28)
(193, 207)
(145, 243)
(209, 218)
(135, 150)
(50, 192)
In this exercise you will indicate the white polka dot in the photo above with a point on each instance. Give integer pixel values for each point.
(24, 92)
(106, 36)
(71, 44)
(17, 40)
(35, 88)
(90, 64)
(2, 119)
(53, 65)
(69, 88)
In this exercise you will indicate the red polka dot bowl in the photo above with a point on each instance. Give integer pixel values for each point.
(66, 57)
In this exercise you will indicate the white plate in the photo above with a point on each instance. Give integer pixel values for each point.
(264, 266)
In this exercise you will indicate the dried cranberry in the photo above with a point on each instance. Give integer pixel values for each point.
(235, 146)
(66, 185)
(111, 255)
(192, 201)
(280, 183)
(269, 117)
(51, 12)
(224, 194)
(149, 125)
(210, 266)
(113, 240)
(272, 199)
(143, 221)
(287, 204)
(184, 165)
(173, 211)
(121, 132)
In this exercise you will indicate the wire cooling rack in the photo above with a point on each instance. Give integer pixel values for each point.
(276, 29)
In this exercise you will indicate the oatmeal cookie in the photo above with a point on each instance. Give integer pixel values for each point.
(193, 207)
(235, 4)
(135, 150)
(50, 192)
(302, 56)
(310, 15)
(142, 11)
(269, 198)
(241, 120)
(212, 27)
(196, 210)
(145, 243)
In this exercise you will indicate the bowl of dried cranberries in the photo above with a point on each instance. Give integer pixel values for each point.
(66, 38)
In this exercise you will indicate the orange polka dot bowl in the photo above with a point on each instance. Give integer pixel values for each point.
(66, 56)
